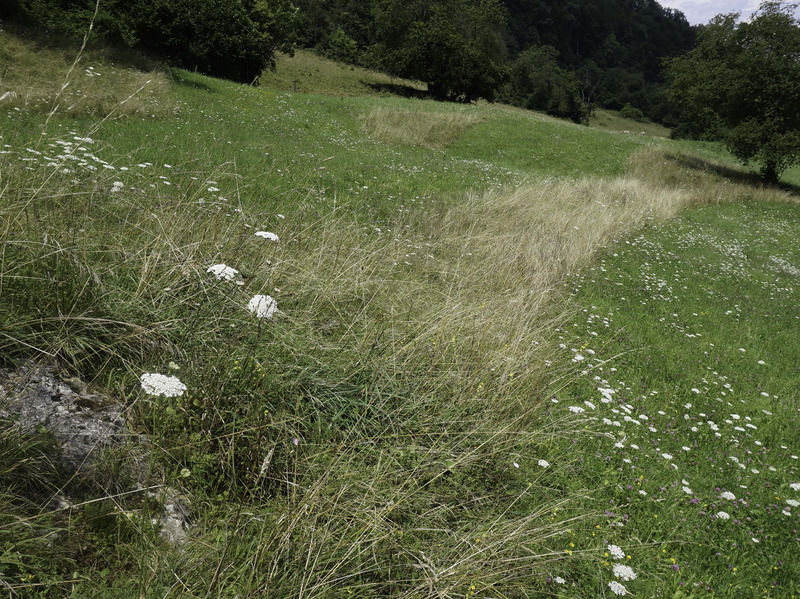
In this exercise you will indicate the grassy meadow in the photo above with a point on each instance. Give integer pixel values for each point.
(508, 356)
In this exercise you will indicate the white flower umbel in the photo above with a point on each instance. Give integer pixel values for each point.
(544, 463)
(223, 272)
(263, 306)
(162, 384)
(624, 572)
(616, 551)
(723, 515)
(267, 235)
(617, 588)
(728, 495)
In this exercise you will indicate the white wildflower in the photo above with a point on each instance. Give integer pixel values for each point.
(617, 588)
(263, 306)
(117, 186)
(793, 502)
(728, 495)
(544, 463)
(267, 235)
(723, 515)
(559, 580)
(223, 272)
(616, 551)
(624, 572)
(795, 486)
(161, 384)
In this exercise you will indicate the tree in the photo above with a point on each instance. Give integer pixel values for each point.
(234, 39)
(741, 85)
(536, 82)
(455, 46)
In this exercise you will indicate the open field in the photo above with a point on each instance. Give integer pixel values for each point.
(400, 424)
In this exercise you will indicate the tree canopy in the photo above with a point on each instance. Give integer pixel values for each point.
(561, 56)
(741, 85)
(455, 46)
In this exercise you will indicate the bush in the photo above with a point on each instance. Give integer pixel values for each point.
(223, 39)
(631, 112)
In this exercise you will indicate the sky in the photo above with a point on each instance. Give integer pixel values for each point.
(700, 12)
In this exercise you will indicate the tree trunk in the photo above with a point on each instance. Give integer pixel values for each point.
(769, 172)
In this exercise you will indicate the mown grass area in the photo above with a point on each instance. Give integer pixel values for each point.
(388, 431)
(685, 338)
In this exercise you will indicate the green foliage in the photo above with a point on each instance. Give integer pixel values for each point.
(741, 84)
(453, 45)
(631, 112)
(234, 40)
(536, 82)
(216, 38)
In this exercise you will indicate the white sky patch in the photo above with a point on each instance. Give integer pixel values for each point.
(700, 12)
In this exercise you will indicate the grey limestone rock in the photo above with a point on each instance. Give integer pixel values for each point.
(83, 425)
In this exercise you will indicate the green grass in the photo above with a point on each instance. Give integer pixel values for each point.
(691, 324)
(381, 435)
(306, 72)
(608, 120)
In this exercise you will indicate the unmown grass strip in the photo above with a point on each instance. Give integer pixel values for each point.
(33, 78)
(435, 130)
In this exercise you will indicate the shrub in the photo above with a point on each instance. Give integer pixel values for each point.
(631, 112)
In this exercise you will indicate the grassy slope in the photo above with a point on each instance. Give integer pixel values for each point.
(382, 329)
(691, 327)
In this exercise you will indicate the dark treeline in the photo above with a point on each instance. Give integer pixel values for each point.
(564, 57)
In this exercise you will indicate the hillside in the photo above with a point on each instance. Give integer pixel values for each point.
(367, 313)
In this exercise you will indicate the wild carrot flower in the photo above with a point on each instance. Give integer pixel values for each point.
(161, 384)
(616, 551)
(728, 495)
(263, 306)
(723, 515)
(617, 588)
(223, 272)
(544, 463)
(267, 235)
(624, 572)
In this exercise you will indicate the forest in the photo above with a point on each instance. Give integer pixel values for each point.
(562, 58)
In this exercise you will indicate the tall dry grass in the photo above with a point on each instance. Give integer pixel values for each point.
(435, 130)
(32, 77)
